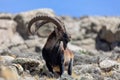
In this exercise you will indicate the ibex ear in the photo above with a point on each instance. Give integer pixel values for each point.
(56, 31)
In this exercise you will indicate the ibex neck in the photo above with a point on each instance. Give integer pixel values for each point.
(52, 42)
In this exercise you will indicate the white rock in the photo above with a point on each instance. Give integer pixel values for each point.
(107, 64)
(6, 59)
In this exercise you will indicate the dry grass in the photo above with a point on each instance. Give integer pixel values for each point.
(75, 76)
(105, 74)
(118, 60)
(7, 73)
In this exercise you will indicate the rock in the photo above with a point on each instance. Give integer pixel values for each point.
(106, 27)
(7, 27)
(16, 51)
(6, 59)
(26, 53)
(7, 52)
(107, 35)
(85, 57)
(7, 16)
(34, 66)
(17, 39)
(1, 78)
(107, 65)
(32, 43)
(22, 47)
(87, 68)
(88, 44)
(97, 76)
(75, 47)
(108, 78)
(117, 35)
(86, 77)
(28, 78)
(72, 27)
(4, 46)
(19, 68)
(66, 77)
(116, 75)
(102, 45)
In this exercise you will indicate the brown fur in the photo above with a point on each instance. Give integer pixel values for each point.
(55, 54)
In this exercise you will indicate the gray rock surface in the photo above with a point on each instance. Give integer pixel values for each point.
(7, 30)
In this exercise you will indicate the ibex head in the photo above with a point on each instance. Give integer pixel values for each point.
(61, 33)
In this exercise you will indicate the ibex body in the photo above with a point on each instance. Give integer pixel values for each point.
(54, 53)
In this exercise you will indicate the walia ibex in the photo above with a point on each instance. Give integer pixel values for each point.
(55, 51)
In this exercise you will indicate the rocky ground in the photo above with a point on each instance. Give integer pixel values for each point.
(95, 43)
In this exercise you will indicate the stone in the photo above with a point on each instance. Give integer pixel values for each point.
(2, 78)
(7, 16)
(16, 51)
(108, 78)
(22, 47)
(107, 35)
(107, 65)
(71, 26)
(86, 77)
(4, 46)
(66, 77)
(87, 68)
(6, 59)
(116, 75)
(34, 66)
(17, 39)
(32, 43)
(102, 45)
(7, 27)
(19, 68)
(117, 35)
(96, 23)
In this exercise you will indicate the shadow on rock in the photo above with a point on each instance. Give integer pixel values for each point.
(106, 40)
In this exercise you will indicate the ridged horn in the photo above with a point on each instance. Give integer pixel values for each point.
(46, 19)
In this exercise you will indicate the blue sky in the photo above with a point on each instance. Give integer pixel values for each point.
(64, 7)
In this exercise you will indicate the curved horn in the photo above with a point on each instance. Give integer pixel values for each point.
(62, 23)
(46, 19)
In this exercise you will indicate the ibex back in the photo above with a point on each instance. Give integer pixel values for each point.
(54, 53)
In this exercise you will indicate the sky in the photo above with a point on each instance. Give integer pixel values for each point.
(74, 8)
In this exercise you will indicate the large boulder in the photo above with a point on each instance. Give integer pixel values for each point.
(109, 37)
(8, 34)
(108, 65)
(105, 30)
(89, 26)
(34, 66)
(7, 16)
(7, 30)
